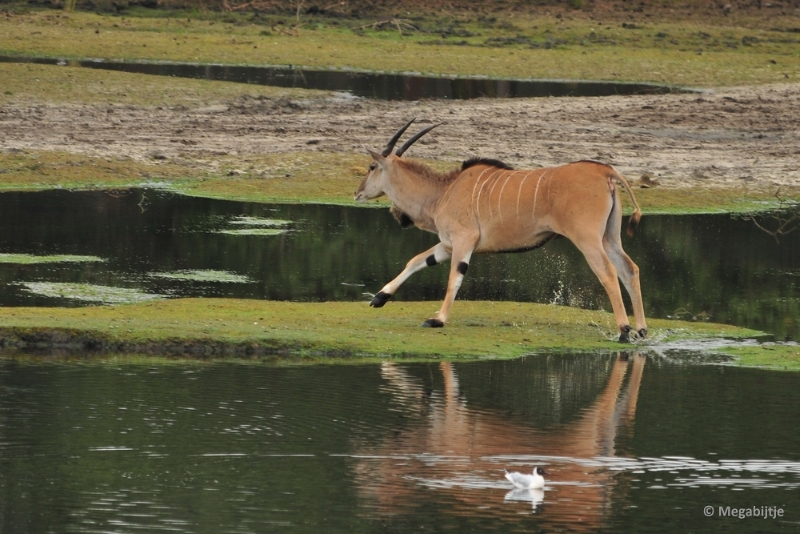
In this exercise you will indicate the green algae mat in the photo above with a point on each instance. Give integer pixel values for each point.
(231, 327)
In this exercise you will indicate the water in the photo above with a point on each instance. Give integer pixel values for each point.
(365, 83)
(710, 267)
(636, 444)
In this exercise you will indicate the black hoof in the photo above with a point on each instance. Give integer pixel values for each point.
(380, 299)
(433, 323)
(625, 334)
(642, 333)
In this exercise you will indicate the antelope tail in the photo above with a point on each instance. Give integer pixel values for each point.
(637, 212)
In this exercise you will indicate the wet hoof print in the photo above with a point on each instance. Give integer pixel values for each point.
(625, 334)
(433, 323)
(380, 299)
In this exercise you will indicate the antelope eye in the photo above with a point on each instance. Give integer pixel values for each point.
(373, 166)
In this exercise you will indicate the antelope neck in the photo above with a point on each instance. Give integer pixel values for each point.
(416, 196)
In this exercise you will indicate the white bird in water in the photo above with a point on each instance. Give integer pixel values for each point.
(534, 481)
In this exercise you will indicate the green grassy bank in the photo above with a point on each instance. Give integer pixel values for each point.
(779, 357)
(302, 177)
(220, 327)
(703, 52)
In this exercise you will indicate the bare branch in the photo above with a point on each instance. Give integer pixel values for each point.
(786, 218)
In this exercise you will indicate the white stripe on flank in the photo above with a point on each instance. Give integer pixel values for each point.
(519, 192)
(490, 194)
(480, 192)
(500, 196)
(477, 181)
(491, 191)
(535, 195)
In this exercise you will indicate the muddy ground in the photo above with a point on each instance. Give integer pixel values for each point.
(729, 137)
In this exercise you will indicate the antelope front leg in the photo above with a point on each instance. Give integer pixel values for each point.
(458, 268)
(428, 258)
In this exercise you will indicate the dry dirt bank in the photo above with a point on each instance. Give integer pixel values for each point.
(730, 137)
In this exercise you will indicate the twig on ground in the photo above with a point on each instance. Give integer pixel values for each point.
(397, 23)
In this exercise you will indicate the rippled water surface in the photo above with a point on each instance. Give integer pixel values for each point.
(638, 445)
(147, 244)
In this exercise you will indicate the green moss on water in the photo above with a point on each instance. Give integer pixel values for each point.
(88, 292)
(30, 259)
(204, 275)
(253, 231)
(259, 221)
(218, 327)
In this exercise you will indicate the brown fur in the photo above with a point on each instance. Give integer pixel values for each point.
(423, 171)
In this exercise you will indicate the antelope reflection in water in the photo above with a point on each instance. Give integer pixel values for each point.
(462, 451)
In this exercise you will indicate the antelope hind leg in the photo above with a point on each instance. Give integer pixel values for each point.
(607, 273)
(628, 272)
(428, 258)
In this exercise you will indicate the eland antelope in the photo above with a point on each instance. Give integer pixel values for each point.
(486, 206)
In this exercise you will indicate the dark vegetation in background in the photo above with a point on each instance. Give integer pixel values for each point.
(402, 8)
(462, 22)
(469, 23)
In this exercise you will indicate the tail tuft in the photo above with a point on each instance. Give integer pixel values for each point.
(637, 212)
(633, 222)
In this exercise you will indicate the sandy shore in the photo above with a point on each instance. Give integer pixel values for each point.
(728, 137)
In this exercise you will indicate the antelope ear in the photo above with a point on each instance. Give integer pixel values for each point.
(377, 157)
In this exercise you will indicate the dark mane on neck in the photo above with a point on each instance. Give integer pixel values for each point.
(471, 162)
(403, 219)
(422, 170)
